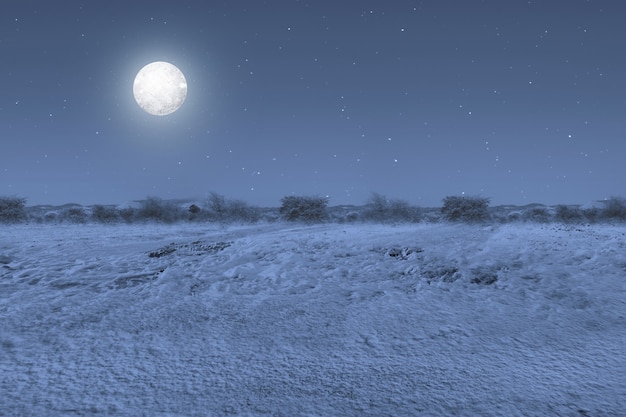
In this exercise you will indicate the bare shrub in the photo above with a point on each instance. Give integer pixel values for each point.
(402, 211)
(51, 217)
(381, 209)
(568, 214)
(128, 214)
(12, 209)
(591, 214)
(224, 210)
(239, 210)
(465, 209)
(73, 215)
(216, 207)
(104, 214)
(614, 209)
(308, 209)
(377, 207)
(154, 208)
(537, 215)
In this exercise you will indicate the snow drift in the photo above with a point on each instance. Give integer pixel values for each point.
(427, 319)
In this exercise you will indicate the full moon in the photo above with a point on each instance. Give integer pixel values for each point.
(160, 88)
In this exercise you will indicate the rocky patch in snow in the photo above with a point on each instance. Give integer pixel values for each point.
(194, 248)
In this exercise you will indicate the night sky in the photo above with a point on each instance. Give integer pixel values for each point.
(520, 101)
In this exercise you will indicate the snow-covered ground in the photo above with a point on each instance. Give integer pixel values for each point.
(324, 320)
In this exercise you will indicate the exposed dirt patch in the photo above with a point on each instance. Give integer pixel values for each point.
(193, 248)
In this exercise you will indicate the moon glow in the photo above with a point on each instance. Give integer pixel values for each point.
(160, 88)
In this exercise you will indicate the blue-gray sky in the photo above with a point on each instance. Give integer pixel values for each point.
(520, 101)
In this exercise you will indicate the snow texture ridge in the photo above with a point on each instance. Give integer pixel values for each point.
(281, 319)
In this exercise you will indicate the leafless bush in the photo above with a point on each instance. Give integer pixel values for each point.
(104, 214)
(240, 211)
(73, 215)
(216, 207)
(308, 209)
(568, 214)
(592, 214)
(128, 214)
(465, 209)
(12, 209)
(381, 209)
(154, 208)
(537, 215)
(614, 209)
(224, 210)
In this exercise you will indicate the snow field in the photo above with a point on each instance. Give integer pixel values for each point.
(281, 319)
